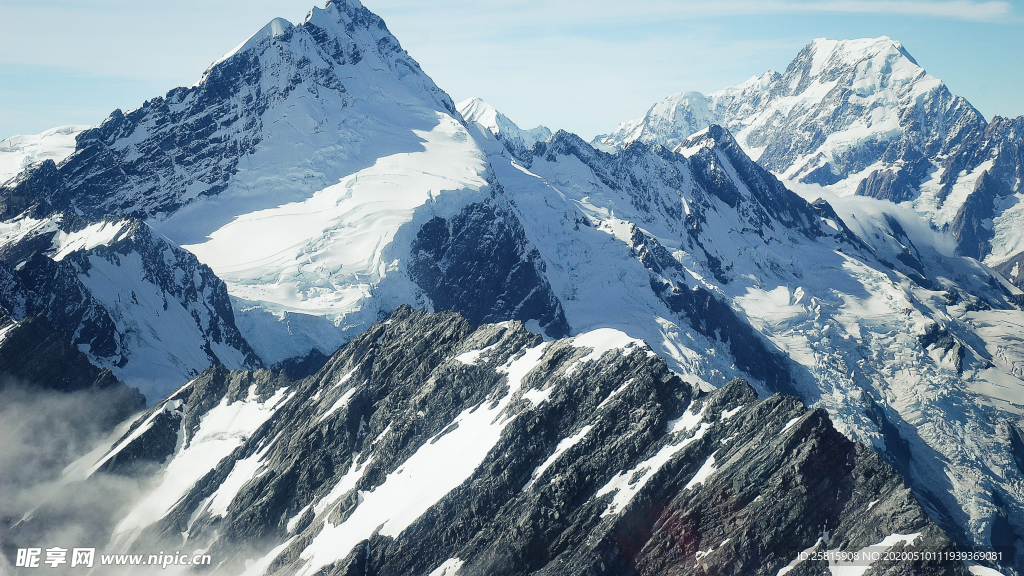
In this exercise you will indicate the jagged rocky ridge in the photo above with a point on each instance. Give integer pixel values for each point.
(428, 446)
(838, 299)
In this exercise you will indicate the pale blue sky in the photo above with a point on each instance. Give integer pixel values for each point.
(582, 66)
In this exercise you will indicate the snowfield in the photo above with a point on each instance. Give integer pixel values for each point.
(20, 152)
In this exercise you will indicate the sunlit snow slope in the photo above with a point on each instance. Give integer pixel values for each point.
(18, 152)
(514, 137)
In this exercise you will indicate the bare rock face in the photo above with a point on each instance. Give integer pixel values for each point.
(481, 265)
(33, 354)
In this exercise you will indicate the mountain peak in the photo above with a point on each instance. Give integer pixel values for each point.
(344, 33)
(855, 45)
(476, 110)
(348, 6)
(822, 95)
(828, 54)
(350, 12)
(669, 122)
(275, 28)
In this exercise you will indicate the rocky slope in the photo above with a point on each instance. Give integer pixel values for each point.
(727, 256)
(428, 446)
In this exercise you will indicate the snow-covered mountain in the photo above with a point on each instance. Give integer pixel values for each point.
(325, 178)
(863, 117)
(134, 302)
(307, 145)
(841, 112)
(668, 122)
(426, 446)
(515, 138)
(712, 254)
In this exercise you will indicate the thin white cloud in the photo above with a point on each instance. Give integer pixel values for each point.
(643, 10)
(956, 9)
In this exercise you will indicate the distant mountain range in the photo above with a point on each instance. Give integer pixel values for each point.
(863, 117)
(383, 333)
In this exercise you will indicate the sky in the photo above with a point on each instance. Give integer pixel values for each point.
(584, 66)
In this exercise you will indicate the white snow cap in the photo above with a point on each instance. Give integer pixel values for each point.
(274, 28)
(476, 110)
(18, 152)
(356, 4)
(851, 52)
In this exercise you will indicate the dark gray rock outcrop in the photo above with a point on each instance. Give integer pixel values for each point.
(480, 265)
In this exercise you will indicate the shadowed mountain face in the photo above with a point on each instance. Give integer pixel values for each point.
(478, 264)
(33, 354)
(315, 180)
(428, 446)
